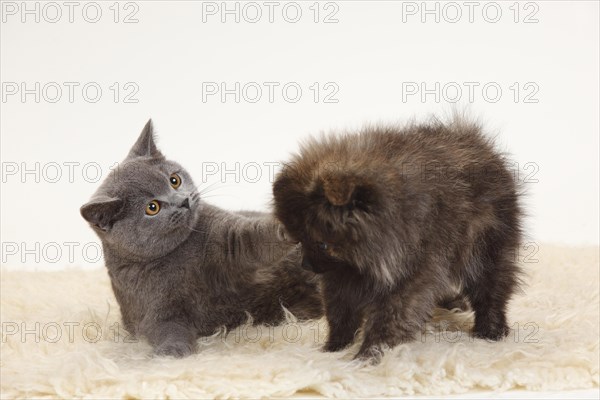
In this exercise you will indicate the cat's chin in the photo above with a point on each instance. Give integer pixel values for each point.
(187, 222)
(194, 214)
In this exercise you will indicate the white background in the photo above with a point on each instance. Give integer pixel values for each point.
(374, 51)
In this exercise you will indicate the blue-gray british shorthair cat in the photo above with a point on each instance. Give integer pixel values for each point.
(181, 268)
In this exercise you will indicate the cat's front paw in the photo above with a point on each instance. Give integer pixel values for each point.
(174, 349)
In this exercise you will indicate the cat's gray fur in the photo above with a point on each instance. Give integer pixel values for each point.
(192, 268)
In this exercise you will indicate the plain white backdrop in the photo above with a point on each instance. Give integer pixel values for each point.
(528, 70)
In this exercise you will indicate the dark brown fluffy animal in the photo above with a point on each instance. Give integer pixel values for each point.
(395, 219)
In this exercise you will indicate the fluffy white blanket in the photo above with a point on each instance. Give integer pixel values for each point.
(61, 338)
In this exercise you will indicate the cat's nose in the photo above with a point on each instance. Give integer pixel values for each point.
(186, 203)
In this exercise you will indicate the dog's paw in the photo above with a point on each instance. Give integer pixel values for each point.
(492, 333)
(333, 346)
(371, 355)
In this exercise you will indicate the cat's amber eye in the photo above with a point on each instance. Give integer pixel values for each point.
(153, 207)
(175, 181)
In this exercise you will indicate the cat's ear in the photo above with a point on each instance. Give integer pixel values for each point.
(145, 146)
(102, 211)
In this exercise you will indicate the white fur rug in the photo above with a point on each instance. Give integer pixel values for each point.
(49, 351)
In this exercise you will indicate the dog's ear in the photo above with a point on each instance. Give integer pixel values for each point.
(338, 190)
(350, 192)
(366, 198)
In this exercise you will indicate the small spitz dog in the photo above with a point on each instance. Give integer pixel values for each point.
(396, 219)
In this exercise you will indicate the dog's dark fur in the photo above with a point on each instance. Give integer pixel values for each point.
(395, 219)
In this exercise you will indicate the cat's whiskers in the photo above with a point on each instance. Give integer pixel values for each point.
(209, 188)
(212, 187)
(220, 195)
(202, 193)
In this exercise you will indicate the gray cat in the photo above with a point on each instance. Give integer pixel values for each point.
(181, 268)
